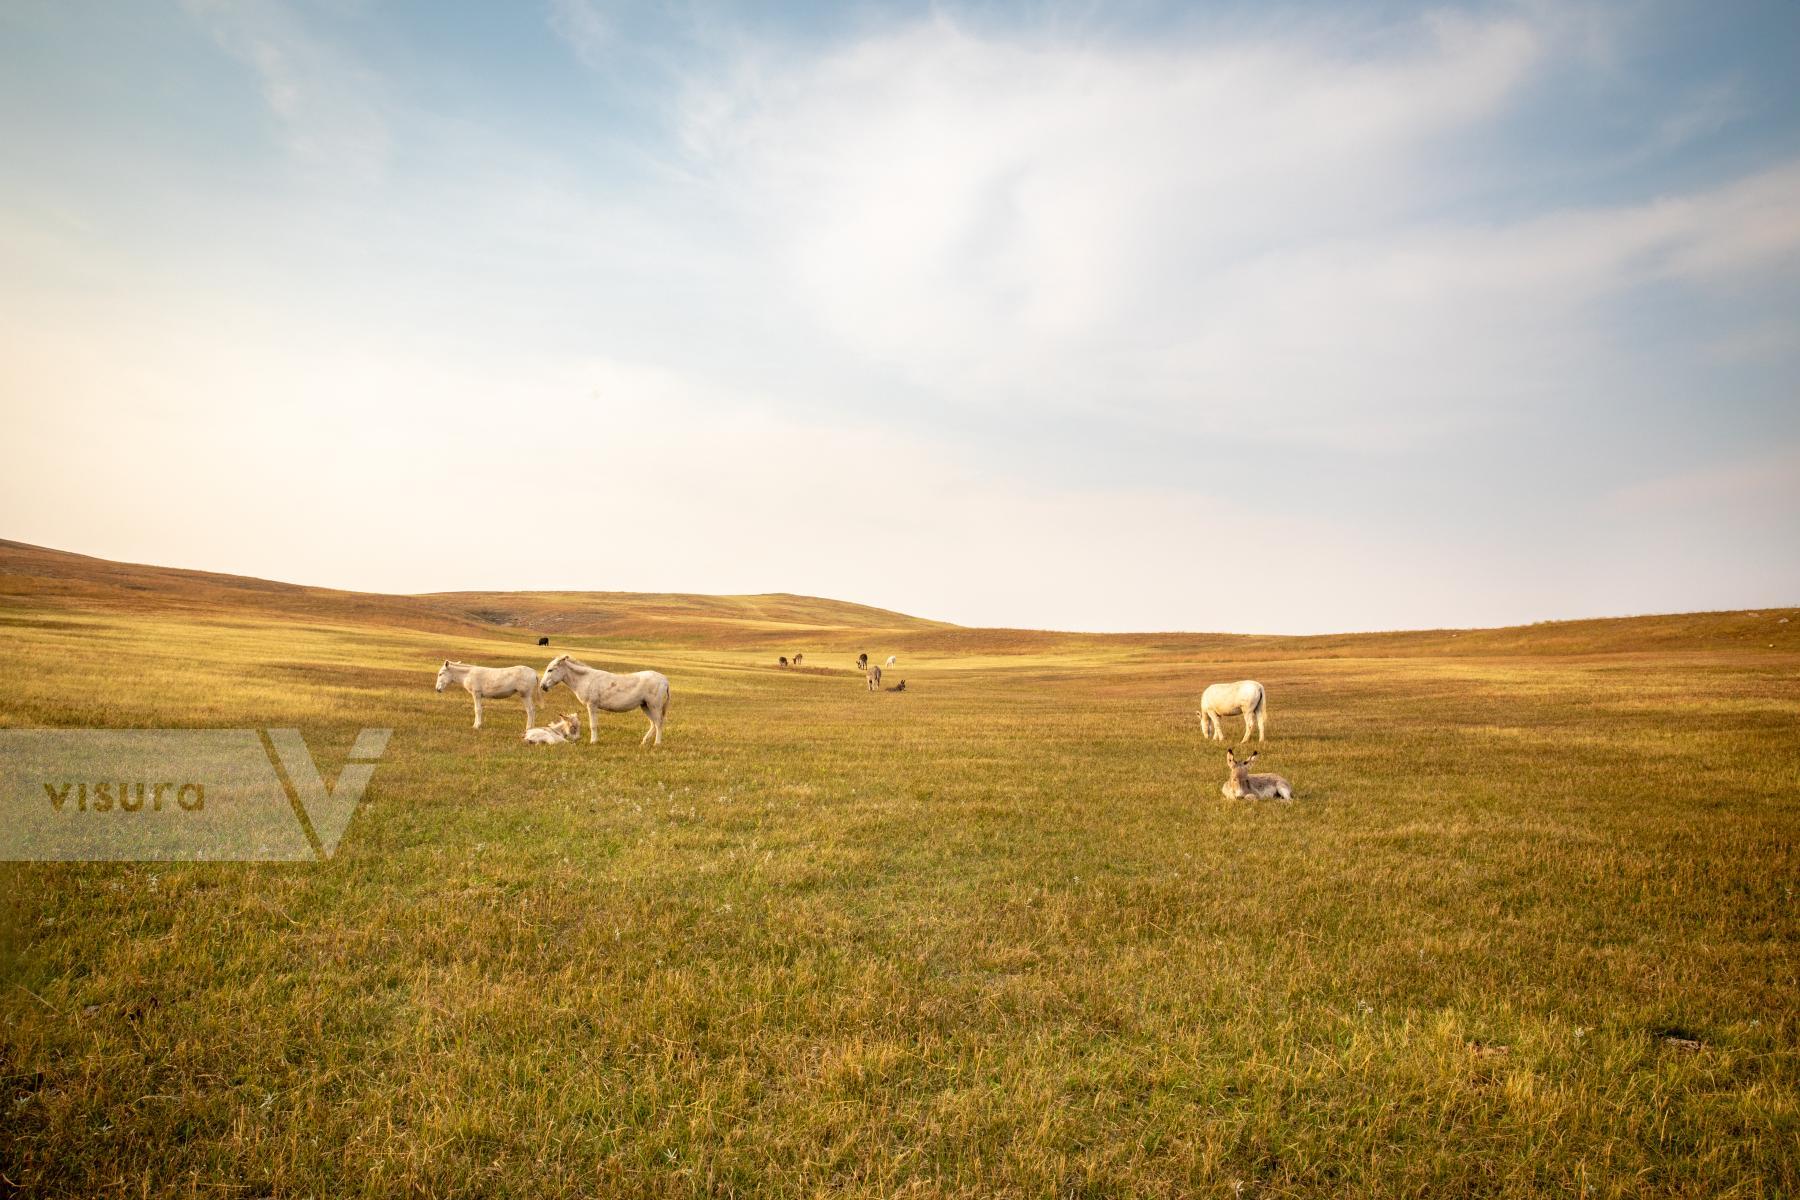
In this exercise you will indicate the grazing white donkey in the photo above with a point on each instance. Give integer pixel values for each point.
(873, 675)
(891, 659)
(492, 683)
(1244, 786)
(602, 691)
(1244, 698)
(565, 728)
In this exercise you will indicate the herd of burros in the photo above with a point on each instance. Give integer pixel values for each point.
(602, 691)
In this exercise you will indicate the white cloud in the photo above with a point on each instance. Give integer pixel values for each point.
(1191, 237)
(585, 28)
(1000, 218)
(328, 105)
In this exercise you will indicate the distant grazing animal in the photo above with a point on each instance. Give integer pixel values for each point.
(1243, 785)
(602, 691)
(1244, 698)
(565, 728)
(782, 660)
(798, 659)
(891, 659)
(873, 675)
(492, 683)
(862, 662)
(898, 687)
(543, 641)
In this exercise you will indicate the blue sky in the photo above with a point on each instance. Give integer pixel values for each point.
(1248, 317)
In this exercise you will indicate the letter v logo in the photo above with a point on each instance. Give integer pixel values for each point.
(328, 810)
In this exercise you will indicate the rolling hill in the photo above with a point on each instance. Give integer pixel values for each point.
(57, 579)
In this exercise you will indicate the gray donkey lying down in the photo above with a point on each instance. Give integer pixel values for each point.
(1243, 785)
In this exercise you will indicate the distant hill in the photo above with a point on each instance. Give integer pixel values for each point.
(38, 578)
(57, 578)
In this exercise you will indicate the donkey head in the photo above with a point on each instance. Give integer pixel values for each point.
(443, 676)
(556, 672)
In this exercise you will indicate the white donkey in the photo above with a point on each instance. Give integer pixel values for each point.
(565, 728)
(492, 683)
(1244, 698)
(602, 691)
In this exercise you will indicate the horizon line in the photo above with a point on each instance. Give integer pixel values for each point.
(1748, 609)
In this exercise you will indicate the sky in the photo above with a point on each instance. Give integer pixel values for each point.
(1254, 317)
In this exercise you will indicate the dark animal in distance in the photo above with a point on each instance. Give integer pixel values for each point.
(543, 641)
(782, 660)
(798, 659)
(862, 662)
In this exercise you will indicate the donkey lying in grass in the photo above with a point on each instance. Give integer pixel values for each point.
(1244, 786)
(565, 728)
(1244, 698)
(602, 691)
(492, 683)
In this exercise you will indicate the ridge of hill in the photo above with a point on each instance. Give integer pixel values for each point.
(39, 577)
(79, 582)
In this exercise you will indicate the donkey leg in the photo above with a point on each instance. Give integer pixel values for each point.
(1249, 724)
(530, 708)
(1259, 722)
(478, 712)
(593, 726)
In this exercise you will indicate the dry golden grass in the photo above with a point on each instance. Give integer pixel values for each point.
(1529, 927)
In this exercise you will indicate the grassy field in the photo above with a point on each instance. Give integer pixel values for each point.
(1529, 926)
